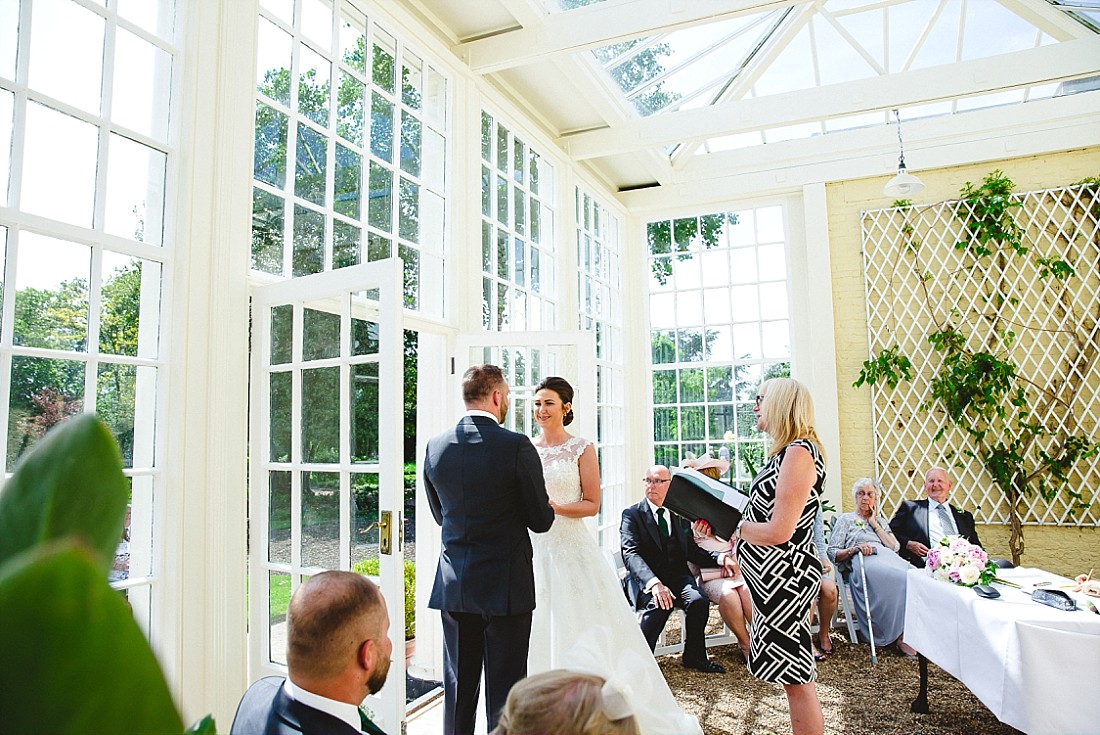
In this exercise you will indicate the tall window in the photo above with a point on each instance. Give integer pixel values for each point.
(350, 149)
(600, 310)
(719, 326)
(517, 239)
(85, 98)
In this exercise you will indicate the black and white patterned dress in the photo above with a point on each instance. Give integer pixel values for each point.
(783, 581)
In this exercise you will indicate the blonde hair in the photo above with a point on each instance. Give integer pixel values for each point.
(788, 411)
(560, 702)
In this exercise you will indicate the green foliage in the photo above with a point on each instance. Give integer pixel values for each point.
(370, 568)
(899, 203)
(677, 236)
(890, 366)
(988, 216)
(75, 660)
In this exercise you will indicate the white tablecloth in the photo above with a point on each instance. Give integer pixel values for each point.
(1036, 668)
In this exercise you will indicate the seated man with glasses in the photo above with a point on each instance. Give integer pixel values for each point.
(657, 547)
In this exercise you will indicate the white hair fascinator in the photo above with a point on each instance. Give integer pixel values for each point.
(616, 700)
(594, 645)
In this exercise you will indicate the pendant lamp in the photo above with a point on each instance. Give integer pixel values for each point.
(905, 183)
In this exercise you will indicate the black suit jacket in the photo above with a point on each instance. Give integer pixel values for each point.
(645, 557)
(910, 522)
(485, 488)
(266, 709)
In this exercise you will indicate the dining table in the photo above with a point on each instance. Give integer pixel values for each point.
(1036, 667)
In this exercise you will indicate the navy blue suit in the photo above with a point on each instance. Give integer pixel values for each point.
(485, 488)
(266, 709)
(910, 523)
(646, 556)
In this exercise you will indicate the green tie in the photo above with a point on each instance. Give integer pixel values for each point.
(662, 523)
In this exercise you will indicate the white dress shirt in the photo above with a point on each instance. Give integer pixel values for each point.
(348, 713)
(936, 531)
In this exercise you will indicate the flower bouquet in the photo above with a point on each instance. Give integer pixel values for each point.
(957, 560)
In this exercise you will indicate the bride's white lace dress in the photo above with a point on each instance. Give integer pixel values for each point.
(582, 619)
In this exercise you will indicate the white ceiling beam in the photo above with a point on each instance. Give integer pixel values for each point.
(599, 25)
(527, 13)
(1057, 62)
(1041, 127)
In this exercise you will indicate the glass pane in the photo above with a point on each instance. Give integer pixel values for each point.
(434, 160)
(690, 345)
(44, 392)
(719, 385)
(411, 285)
(692, 423)
(364, 514)
(663, 347)
(364, 337)
(135, 190)
(409, 211)
(278, 591)
(435, 99)
(381, 127)
(317, 22)
(721, 422)
(282, 331)
(278, 517)
(410, 144)
(349, 109)
(155, 16)
(502, 148)
(142, 85)
(519, 208)
(664, 424)
(314, 78)
(349, 173)
(320, 335)
(364, 412)
(746, 420)
(137, 533)
(7, 108)
(379, 211)
(269, 155)
(411, 81)
(503, 256)
(118, 387)
(345, 244)
(51, 293)
(267, 232)
(66, 59)
(502, 200)
(283, 9)
(321, 519)
(519, 262)
(309, 173)
(691, 386)
(486, 192)
(129, 309)
(309, 241)
(9, 38)
(56, 142)
(321, 415)
(383, 69)
(378, 247)
(273, 61)
(352, 41)
(279, 421)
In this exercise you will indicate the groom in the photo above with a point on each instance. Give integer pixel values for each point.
(657, 546)
(485, 487)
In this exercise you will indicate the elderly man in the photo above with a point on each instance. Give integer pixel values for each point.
(338, 652)
(918, 524)
(657, 547)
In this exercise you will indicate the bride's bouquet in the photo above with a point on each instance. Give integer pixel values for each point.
(957, 560)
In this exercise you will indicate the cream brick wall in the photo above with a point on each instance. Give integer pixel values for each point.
(1066, 551)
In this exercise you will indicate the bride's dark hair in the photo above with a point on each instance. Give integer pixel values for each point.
(563, 389)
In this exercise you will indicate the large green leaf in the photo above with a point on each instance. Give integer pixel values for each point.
(70, 484)
(75, 662)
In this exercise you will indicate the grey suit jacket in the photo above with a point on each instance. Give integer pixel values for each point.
(485, 488)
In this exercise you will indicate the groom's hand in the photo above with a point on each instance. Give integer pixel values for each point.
(662, 595)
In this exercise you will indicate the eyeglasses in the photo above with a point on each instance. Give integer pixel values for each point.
(758, 400)
(652, 481)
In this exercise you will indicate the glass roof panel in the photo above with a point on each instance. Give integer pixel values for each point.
(837, 60)
(993, 29)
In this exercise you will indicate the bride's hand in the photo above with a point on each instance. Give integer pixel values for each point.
(702, 529)
(555, 507)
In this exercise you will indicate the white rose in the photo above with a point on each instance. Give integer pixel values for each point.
(941, 574)
(969, 575)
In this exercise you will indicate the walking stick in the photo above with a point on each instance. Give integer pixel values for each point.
(867, 606)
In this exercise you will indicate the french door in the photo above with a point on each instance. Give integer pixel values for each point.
(326, 454)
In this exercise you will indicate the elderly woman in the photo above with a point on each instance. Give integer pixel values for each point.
(866, 532)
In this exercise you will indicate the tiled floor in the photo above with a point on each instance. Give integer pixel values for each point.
(429, 720)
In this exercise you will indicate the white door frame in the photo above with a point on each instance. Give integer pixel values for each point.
(331, 291)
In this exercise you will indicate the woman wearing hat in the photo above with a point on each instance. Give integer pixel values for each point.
(729, 593)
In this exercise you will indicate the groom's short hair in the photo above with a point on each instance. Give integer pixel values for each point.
(479, 381)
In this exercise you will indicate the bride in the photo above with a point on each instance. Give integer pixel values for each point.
(588, 624)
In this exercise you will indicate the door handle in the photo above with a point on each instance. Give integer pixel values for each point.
(385, 532)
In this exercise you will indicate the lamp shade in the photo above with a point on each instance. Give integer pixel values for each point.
(903, 184)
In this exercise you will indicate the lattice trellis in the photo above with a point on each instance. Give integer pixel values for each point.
(916, 278)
